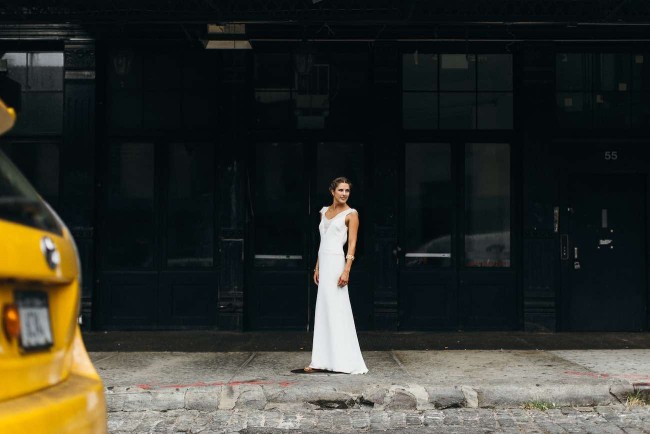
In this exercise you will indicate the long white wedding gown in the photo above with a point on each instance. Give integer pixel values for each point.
(335, 347)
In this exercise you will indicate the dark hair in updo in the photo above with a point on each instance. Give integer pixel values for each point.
(340, 180)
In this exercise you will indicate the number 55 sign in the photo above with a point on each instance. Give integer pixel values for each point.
(611, 155)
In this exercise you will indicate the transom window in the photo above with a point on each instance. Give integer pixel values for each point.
(456, 91)
(602, 90)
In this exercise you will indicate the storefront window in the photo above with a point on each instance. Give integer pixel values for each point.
(278, 198)
(428, 204)
(130, 231)
(487, 205)
(190, 205)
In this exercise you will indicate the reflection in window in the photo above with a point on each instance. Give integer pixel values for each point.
(458, 110)
(613, 71)
(419, 110)
(457, 72)
(130, 219)
(278, 198)
(574, 109)
(573, 71)
(495, 110)
(602, 90)
(428, 204)
(494, 72)
(487, 205)
(39, 162)
(40, 75)
(190, 205)
(273, 98)
(457, 91)
(420, 71)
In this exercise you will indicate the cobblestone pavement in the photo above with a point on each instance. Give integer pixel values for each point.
(606, 419)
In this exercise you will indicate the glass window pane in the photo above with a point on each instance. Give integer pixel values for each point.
(130, 218)
(39, 162)
(125, 70)
(640, 109)
(612, 109)
(419, 71)
(487, 205)
(199, 111)
(42, 113)
(351, 79)
(495, 110)
(200, 69)
(457, 110)
(419, 110)
(44, 71)
(641, 71)
(17, 67)
(162, 110)
(613, 71)
(273, 71)
(190, 205)
(124, 109)
(573, 71)
(161, 71)
(273, 108)
(574, 110)
(457, 72)
(279, 201)
(494, 72)
(428, 204)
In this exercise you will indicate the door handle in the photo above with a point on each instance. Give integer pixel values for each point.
(576, 263)
(575, 253)
(396, 251)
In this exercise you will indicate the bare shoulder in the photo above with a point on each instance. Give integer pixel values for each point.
(353, 216)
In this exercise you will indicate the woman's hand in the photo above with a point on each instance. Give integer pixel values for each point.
(344, 279)
(316, 276)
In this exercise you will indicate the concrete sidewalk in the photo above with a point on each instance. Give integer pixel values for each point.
(398, 380)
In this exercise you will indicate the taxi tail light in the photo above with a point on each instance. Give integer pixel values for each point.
(11, 321)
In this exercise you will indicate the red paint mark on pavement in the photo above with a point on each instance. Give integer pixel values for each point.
(602, 375)
(216, 383)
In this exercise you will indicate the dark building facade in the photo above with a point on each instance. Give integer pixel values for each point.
(499, 155)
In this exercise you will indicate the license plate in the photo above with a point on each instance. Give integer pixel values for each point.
(35, 326)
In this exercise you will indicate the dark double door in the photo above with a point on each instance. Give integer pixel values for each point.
(604, 253)
(456, 267)
(288, 184)
(158, 252)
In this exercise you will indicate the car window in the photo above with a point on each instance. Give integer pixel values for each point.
(19, 202)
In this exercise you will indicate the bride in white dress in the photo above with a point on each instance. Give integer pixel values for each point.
(336, 347)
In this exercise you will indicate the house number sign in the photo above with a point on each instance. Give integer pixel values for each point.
(611, 155)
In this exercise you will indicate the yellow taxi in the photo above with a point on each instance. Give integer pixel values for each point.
(47, 381)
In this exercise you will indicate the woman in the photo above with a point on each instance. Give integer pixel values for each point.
(336, 347)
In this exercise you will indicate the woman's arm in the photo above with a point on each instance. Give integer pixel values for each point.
(353, 230)
(316, 273)
(352, 220)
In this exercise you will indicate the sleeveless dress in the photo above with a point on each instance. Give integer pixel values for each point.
(335, 346)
